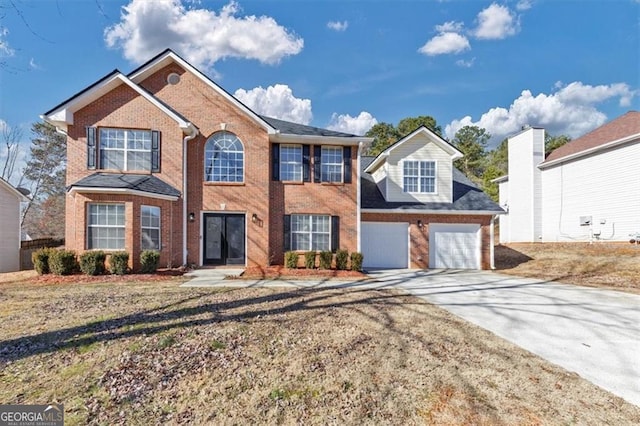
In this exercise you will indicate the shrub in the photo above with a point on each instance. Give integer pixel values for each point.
(310, 260)
(356, 261)
(149, 261)
(291, 259)
(119, 262)
(92, 262)
(342, 257)
(40, 259)
(63, 262)
(325, 259)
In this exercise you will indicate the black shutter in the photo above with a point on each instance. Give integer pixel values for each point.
(335, 233)
(317, 163)
(306, 175)
(346, 157)
(155, 151)
(91, 147)
(287, 233)
(275, 161)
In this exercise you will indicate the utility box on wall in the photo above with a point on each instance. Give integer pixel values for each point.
(585, 220)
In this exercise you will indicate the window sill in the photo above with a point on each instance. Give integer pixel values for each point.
(292, 182)
(332, 183)
(133, 172)
(208, 183)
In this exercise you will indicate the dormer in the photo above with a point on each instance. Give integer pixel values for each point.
(417, 168)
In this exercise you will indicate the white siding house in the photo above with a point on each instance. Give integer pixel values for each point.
(10, 199)
(589, 189)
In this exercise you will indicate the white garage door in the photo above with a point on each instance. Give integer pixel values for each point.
(385, 245)
(455, 246)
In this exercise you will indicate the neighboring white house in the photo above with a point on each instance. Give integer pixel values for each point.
(586, 190)
(10, 199)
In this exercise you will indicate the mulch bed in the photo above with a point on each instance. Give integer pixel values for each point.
(160, 275)
(280, 272)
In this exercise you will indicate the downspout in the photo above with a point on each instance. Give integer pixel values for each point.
(492, 241)
(358, 206)
(193, 132)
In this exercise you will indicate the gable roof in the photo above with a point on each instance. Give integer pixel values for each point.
(434, 137)
(128, 183)
(623, 129)
(62, 114)
(13, 190)
(467, 197)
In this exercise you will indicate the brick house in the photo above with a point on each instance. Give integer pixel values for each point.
(164, 158)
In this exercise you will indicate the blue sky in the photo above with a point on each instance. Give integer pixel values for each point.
(568, 66)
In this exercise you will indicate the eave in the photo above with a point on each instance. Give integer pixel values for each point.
(317, 139)
(120, 191)
(434, 212)
(586, 152)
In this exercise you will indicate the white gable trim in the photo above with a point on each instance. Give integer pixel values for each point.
(434, 212)
(444, 145)
(169, 56)
(612, 144)
(13, 191)
(62, 116)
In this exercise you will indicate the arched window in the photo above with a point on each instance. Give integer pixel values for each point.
(224, 158)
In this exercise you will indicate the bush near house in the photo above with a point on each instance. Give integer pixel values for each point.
(310, 260)
(325, 259)
(356, 261)
(291, 259)
(40, 259)
(119, 262)
(149, 261)
(92, 262)
(342, 259)
(63, 262)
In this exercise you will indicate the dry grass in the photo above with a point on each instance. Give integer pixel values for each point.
(606, 265)
(144, 353)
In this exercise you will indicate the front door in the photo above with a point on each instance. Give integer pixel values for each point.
(223, 242)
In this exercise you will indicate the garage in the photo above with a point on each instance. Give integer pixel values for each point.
(385, 244)
(454, 246)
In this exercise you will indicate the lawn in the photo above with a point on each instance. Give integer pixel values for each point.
(133, 352)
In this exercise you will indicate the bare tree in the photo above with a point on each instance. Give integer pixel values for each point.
(10, 149)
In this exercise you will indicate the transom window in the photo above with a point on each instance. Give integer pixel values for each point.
(331, 160)
(224, 158)
(105, 226)
(310, 232)
(291, 163)
(150, 227)
(123, 149)
(420, 177)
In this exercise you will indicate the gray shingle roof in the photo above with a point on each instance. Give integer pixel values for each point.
(466, 195)
(143, 183)
(289, 128)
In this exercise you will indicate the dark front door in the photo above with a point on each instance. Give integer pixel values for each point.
(223, 242)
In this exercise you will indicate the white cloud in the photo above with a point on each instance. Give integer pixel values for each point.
(5, 49)
(201, 36)
(355, 125)
(465, 64)
(278, 102)
(337, 25)
(496, 22)
(443, 43)
(524, 5)
(33, 65)
(571, 110)
(450, 27)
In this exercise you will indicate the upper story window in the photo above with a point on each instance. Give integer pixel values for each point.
(419, 177)
(224, 158)
(291, 163)
(123, 149)
(331, 163)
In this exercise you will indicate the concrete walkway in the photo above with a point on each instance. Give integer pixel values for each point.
(593, 332)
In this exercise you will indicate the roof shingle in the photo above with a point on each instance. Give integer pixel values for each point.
(143, 183)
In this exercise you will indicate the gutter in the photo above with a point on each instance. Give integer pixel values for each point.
(193, 132)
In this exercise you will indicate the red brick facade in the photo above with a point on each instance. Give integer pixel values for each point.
(210, 112)
(419, 237)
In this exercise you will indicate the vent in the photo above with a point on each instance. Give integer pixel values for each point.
(173, 79)
(585, 220)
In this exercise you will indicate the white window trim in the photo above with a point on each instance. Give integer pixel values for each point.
(435, 177)
(310, 232)
(88, 225)
(159, 227)
(125, 149)
(323, 163)
(298, 163)
(211, 139)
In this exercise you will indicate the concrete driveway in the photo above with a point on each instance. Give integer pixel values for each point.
(593, 332)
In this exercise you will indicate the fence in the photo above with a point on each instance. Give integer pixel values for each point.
(28, 247)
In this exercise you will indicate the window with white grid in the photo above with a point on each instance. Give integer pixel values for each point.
(150, 227)
(123, 149)
(310, 232)
(419, 177)
(291, 163)
(331, 160)
(105, 226)
(224, 158)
